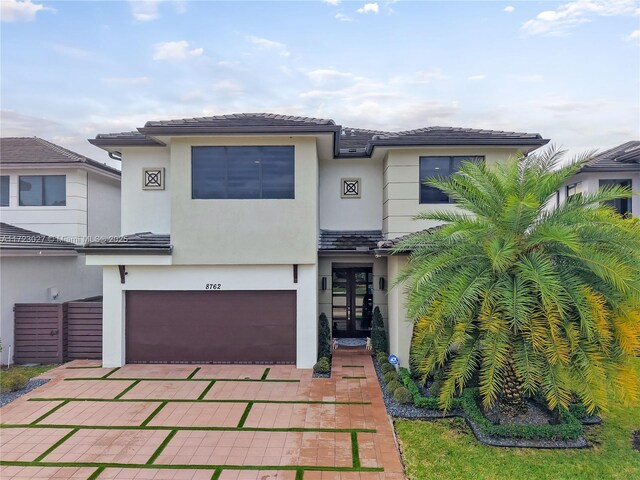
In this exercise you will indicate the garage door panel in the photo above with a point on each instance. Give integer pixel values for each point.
(203, 326)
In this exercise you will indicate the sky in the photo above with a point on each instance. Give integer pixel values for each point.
(567, 70)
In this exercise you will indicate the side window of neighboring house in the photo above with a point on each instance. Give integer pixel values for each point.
(4, 191)
(439, 167)
(242, 172)
(43, 190)
(574, 189)
(621, 205)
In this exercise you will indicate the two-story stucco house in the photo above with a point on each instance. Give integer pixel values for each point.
(239, 230)
(51, 200)
(617, 166)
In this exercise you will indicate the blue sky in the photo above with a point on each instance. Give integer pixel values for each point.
(568, 70)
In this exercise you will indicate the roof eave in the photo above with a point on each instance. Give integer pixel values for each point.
(125, 251)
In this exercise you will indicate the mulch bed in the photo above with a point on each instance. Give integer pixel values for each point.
(9, 397)
(410, 411)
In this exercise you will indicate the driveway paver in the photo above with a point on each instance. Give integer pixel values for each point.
(226, 422)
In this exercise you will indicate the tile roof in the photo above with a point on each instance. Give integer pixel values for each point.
(356, 240)
(457, 136)
(135, 243)
(35, 150)
(16, 238)
(348, 141)
(625, 157)
(387, 245)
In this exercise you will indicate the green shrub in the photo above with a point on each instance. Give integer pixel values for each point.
(323, 366)
(324, 337)
(12, 380)
(393, 385)
(402, 395)
(438, 380)
(420, 400)
(382, 357)
(378, 333)
(387, 367)
(389, 376)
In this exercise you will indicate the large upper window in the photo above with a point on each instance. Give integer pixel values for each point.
(574, 189)
(4, 191)
(431, 167)
(43, 190)
(621, 205)
(242, 172)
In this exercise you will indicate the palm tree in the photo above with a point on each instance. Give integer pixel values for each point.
(530, 296)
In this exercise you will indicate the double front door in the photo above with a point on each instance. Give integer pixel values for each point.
(352, 301)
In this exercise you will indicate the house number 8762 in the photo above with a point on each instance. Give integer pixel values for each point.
(213, 286)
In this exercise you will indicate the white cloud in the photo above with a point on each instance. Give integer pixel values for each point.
(476, 78)
(532, 78)
(509, 9)
(20, 11)
(343, 18)
(144, 10)
(563, 106)
(369, 8)
(332, 2)
(228, 86)
(127, 80)
(70, 50)
(572, 14)
(175, 51)
(635, 35)
(327, 75)
(266, 44)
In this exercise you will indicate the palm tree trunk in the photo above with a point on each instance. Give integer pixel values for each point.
(512, 400)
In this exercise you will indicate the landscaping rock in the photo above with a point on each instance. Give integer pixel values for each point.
(635, 440)
(32, 384)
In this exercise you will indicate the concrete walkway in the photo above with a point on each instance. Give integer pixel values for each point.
(213, 422)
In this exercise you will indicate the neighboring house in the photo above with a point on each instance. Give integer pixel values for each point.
(240, 229)
(617, 166)
(47, 191)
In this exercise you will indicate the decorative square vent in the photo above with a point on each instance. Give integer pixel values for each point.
(350, 188)
(153, 178)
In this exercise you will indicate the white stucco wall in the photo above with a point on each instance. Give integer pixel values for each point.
(68, 221)
(237, 277)
(145, 210)
(399, 328)
(103, 205)
(241, 231)
(591, 183)
(26, 279)
(325, 269)
(364, 213)
(401, 196)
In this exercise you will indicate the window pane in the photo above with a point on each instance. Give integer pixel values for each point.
(278, 172)
(208, 172)
(4, 190)
(433, 167)
(30, 190)
(243, 172)
(55, 190)
(620, 205)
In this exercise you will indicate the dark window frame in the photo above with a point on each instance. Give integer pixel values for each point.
(5, 193)
(228, 195)
(575, 186)
(452, 169)
(618, 204)
(43, 202)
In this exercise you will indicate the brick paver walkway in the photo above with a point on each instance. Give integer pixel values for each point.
(209, 422)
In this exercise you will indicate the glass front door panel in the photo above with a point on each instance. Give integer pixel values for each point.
(352, 292)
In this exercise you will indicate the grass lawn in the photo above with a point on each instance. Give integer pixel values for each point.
(7, 375)
(447, 449)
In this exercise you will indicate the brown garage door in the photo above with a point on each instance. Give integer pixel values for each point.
(202, 326)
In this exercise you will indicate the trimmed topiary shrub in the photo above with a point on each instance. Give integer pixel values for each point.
(12, 380)
(387, 367)
(438, 380)
(393, 385)
(389, 376)
(378, 333)
(402, 395)
(324, 337)
(323, 366)
(382, 357)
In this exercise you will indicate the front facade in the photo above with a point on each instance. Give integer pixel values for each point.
(617, 166)
(51, 201)
(239, 230)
